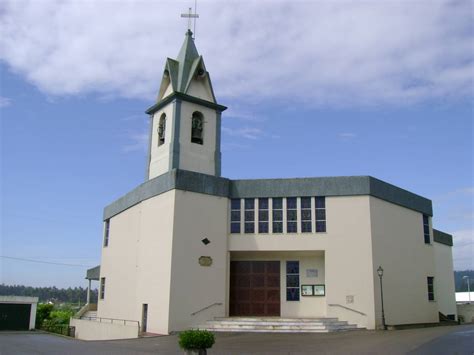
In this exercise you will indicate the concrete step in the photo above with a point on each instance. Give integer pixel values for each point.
(90, 315)
(277, 325)
(232, 330)
(274, 319)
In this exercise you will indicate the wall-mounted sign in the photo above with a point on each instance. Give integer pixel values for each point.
(312, 273)
(205, 261)
(349, 299)
(313, 290)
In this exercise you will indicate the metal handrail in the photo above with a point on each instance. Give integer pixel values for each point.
(350, 309)
(99, 319)
(203, 309)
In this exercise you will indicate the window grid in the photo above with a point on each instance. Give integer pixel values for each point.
(235, 215)
(249, 215)
(306, 218)
(430, 281)
(277, 215)
(291, 215)
(102, 288)
(320, 211)
(263, 215)
(106, 232)
(292, 280)
(426, 229)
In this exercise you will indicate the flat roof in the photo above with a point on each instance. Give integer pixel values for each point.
(316, 186)
(18, 299)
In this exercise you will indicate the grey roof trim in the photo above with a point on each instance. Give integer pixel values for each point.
(184, 97)
(398, 196)
(93, 273)
(174, 179)
(320, 186)
(217, 186)
(331, 186)
(442, 238)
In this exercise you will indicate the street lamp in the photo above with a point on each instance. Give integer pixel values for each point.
(468, 286)
(380, 273)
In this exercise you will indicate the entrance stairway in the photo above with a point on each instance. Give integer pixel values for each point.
(277, 325)
(91, 315)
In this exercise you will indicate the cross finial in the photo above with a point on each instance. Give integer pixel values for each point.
(190, 15)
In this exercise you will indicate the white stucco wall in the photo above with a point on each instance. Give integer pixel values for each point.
(194, 287)
(398, 246)
(94, 330)
(197, 157)
(200, 88)
(348, 256)
(137, 263)
(445, 293)
(160, 155)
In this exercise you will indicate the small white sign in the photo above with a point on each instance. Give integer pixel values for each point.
(312, 273)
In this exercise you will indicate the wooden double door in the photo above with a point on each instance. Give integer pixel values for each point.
(254, 288)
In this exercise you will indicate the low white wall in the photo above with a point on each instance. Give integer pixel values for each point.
(466, 311)
(94, 330)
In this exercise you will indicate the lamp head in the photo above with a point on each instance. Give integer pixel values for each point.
(380, 271)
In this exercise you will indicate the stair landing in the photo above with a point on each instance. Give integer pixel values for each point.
(277, 325)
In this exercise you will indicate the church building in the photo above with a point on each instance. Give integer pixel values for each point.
(189, 248)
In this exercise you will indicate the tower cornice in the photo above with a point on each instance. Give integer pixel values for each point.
(184, 97)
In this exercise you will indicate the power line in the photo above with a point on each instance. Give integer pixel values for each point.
(42, 262)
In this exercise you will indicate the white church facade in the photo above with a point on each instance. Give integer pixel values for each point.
(189, 245)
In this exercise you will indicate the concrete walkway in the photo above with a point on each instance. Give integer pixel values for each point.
(440, 340)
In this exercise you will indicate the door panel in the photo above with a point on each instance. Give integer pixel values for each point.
(254, 288)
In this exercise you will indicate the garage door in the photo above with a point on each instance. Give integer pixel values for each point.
(14, 316)
(254, 288)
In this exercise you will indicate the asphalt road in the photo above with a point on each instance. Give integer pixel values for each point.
(457, 340)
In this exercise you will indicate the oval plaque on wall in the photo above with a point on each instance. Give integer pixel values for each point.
(205, 261)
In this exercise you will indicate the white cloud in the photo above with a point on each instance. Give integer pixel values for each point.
(347, 135)
(138, 142)
(245, 132)
(5, 101)
(319, 53)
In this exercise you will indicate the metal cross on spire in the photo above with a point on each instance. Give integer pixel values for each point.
(190, 15)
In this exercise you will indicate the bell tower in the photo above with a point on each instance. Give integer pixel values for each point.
(185, 122)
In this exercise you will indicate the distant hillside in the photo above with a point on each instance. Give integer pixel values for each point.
(68, 295)
(461, 285)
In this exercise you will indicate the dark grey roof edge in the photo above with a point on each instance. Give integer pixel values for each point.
(442, 237)
(318, 186)
(315, 186)
(399, 196)
(184, 97)
(174, 179)
(93, 273)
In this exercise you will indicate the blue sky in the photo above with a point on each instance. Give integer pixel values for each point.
(343, 88)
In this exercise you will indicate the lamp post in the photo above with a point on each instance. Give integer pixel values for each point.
(468, 287)
(380, 273)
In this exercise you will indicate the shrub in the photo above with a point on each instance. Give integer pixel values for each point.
(43, 312)
(196, 339)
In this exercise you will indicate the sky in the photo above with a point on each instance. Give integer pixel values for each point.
(313, 88)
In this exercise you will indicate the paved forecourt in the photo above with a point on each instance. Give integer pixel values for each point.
(438, 340)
